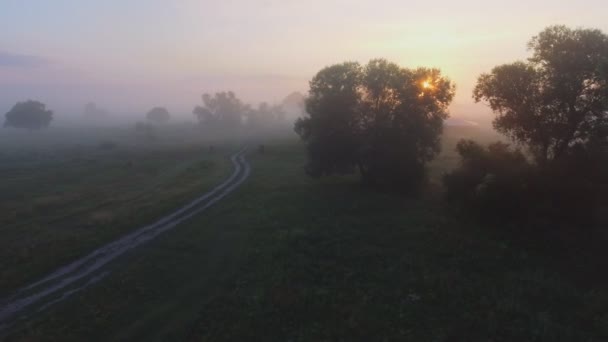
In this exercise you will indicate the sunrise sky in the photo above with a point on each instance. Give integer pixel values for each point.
(129, 55)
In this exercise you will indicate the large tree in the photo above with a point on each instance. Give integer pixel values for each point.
(29, 114)
(159, 115)
(556, 101)
(381, 119)
(222, 109)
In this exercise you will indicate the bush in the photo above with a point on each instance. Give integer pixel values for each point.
(492, 179)
(500, 183)
(574, 187)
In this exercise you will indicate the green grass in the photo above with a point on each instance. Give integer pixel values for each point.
(64, 200)
(288, 258)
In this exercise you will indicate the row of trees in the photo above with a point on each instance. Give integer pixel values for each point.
(224, 109)
(386, 121)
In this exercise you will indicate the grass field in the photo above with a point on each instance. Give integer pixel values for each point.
(60, 200)
(288, 258)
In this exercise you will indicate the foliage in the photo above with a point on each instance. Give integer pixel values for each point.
(365, 267)
(499, 183)
(493, 179)
(556, 100)
(29, 114)
(158, 115)
(381, 119)
(223, 109)
(265, 115)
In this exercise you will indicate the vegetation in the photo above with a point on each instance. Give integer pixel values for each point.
(493, 179)
(223, 109)
(556, 106)
(61, 203)
(289, 258)
(158, 115)
(29, 114)
(265, 116)
(381, 119)
(367, 265)
(556, 102)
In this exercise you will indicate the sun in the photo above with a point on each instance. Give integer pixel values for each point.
(427, 84)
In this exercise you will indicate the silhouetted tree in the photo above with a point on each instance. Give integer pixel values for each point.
(558, 99)
(332, 127)
(159, 115)
(223, 109)
(28, 114)
(381, 119)
(265, 115)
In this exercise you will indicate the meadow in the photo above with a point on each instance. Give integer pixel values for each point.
(290, 258)
(65, 192)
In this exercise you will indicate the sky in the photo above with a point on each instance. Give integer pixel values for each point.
(131, 55)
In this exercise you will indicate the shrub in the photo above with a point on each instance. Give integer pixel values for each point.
(493, 179)
(500, 183)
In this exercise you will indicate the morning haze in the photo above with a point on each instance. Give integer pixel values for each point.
(124, 54)
(363, 170)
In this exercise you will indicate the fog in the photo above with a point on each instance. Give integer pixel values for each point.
(129, 100)
(131, 57)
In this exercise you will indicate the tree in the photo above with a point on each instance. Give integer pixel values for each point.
(29, 114)
(558, 99)
(223, 109)
(265, 115)
(381, 119)
(159, 115)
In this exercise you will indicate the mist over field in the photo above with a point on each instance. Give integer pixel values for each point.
(321, 170)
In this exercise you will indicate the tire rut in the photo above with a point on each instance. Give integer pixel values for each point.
(90, 269)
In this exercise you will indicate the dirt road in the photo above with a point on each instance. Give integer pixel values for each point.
(91, 268)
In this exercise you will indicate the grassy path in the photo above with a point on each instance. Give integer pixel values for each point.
(88, 270)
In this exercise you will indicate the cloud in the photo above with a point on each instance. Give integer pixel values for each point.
(8, 59)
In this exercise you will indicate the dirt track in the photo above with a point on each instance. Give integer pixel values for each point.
(93, 267)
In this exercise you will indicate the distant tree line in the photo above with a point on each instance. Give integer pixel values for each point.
(226, 110)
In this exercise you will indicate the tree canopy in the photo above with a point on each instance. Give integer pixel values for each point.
(265, 115)
(381, 119)
(222, 109)
(29, 114)
(159, 115)
(556, 100)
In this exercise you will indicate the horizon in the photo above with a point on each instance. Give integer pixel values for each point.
(128, 60)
